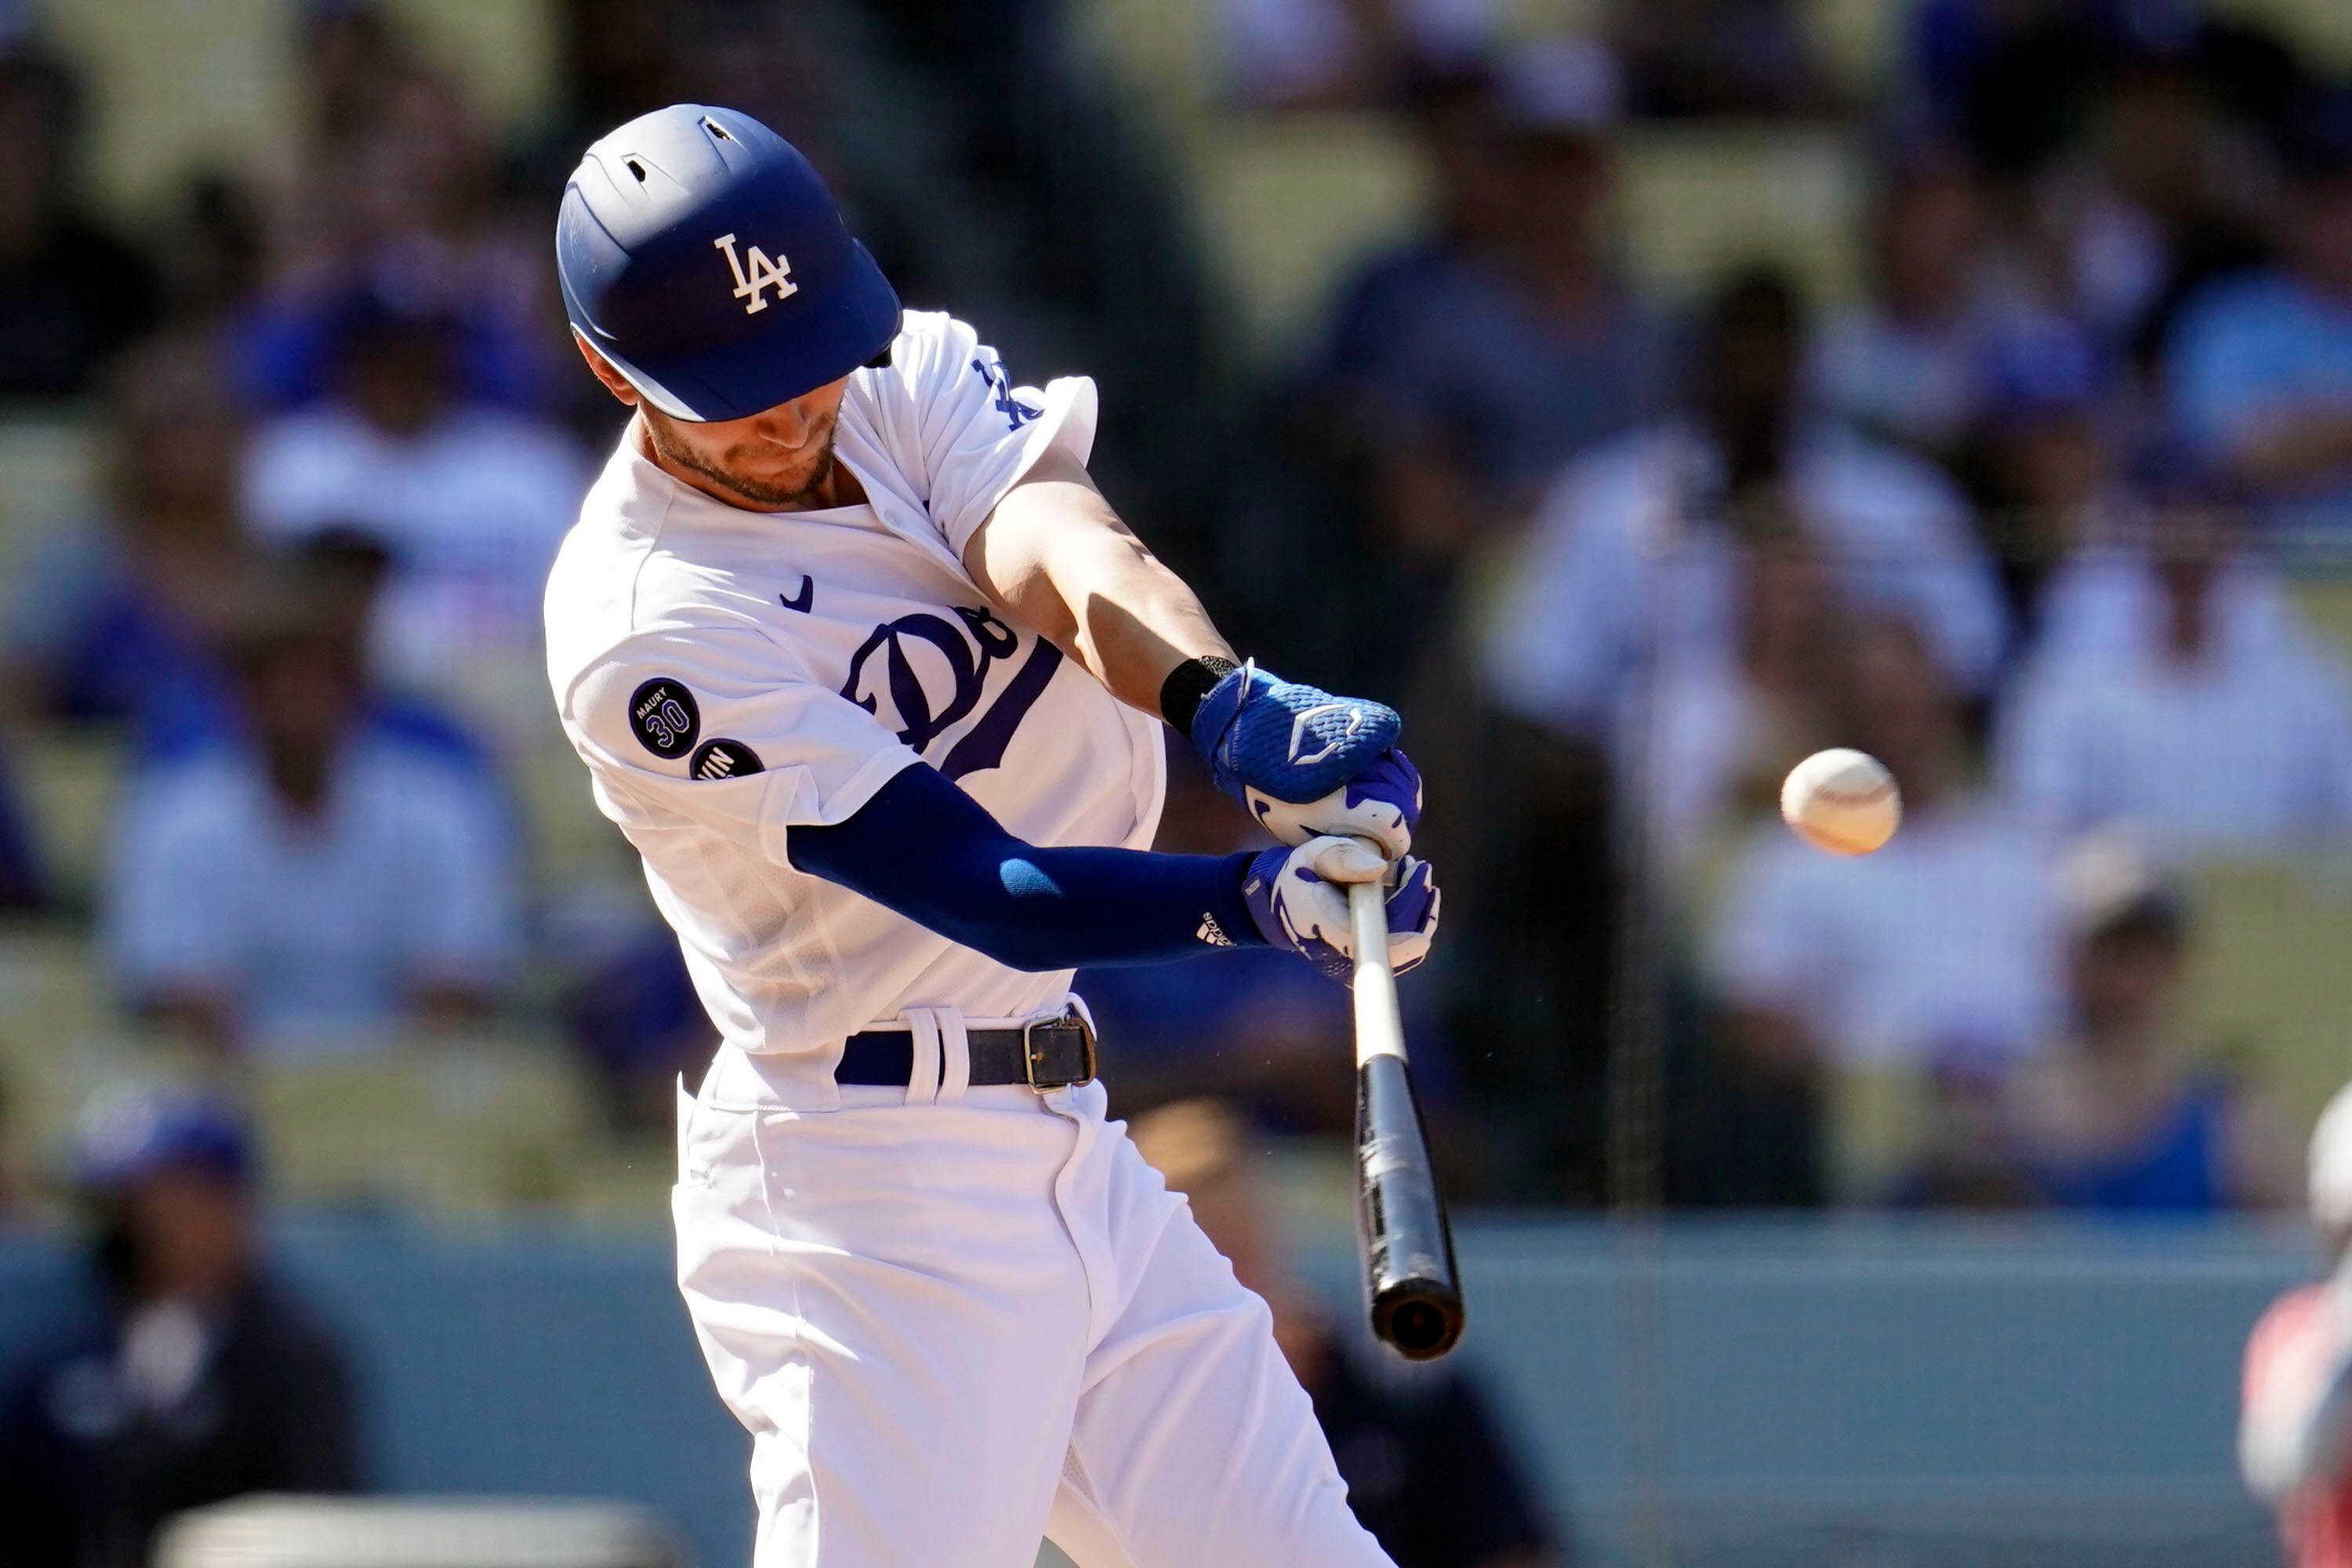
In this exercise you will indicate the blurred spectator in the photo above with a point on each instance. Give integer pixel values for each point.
(1906, 365)
(628, 1005)
(619, 60)
(115, 620)
(1326, 54)
(192, 1376)
(2294, 1434)
(2043, 458)
(2260, 368)
(2014, 75)
(2161, 194)
(470, 500)
(1477, 366)
(1722, 725)
(2121, 1117)
(1429, 1468)
(2176, 693)
(121, 620)
(394, 185)
(71, 294)
(319, 883)
(1940, 944)
(1687, 59)
(1633, 567)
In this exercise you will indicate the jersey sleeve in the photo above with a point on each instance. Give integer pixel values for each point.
(959, 429)
(711, 727)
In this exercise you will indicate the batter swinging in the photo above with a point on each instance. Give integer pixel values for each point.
(871, 676)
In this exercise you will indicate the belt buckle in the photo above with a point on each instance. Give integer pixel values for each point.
(1030, 1055)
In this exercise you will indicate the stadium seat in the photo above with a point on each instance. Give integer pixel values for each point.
(60, 1039)
(1700, 199)
(1288, 208)
(189, 85)
(2269, 983)
(624, 1180)
(569, 836)
(460, 1123)
(2326, 601)
(70, 778)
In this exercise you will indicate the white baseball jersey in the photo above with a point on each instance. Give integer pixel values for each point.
(731, 675)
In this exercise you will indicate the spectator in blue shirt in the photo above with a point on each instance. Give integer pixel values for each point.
(110, 621)
(1480, 365)
(320, 883)
(2260, 368)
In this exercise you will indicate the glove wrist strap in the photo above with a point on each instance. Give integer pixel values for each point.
(1187, 684)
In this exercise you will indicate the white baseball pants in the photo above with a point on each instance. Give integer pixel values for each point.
(960, 1319)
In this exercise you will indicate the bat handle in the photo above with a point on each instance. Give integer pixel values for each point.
(1380, 1028)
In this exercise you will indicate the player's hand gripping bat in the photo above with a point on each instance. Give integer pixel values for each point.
(1409, 1284)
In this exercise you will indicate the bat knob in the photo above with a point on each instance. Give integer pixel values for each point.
(1418, 1327)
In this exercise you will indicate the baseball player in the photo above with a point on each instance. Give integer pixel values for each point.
(2295, 1431)
(872, 677)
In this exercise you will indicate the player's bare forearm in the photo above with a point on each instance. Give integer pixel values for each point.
(1058, 559)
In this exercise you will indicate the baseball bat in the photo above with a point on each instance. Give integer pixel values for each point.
(1409, 1285)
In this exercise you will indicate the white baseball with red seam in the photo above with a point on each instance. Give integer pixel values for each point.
(1842, 801)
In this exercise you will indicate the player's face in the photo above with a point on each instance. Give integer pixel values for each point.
(775, 460)
(779, 459)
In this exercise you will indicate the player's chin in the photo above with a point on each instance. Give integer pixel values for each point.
(787, 488)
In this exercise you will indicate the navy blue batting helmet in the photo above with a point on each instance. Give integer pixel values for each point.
(704, 257)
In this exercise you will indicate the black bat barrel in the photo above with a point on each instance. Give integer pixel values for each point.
(1414, 1296)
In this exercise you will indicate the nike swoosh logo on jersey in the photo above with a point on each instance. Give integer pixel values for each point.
(806, 598)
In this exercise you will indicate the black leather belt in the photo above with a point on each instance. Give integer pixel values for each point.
(1050, 1053)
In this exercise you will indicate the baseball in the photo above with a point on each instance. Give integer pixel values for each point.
(1842, 801)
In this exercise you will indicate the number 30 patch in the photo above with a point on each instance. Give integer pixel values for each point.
(663, 714)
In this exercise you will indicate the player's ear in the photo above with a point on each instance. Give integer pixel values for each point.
(614, 381)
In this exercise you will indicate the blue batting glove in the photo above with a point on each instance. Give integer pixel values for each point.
(1306, 763)
(1299, 900)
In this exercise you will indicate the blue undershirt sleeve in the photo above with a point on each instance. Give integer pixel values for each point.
(924, 848)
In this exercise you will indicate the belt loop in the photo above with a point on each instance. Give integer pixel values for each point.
(923, 1071)
(955, 1055)
(687, 1105)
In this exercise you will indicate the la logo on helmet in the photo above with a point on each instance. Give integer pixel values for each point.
(761, 272)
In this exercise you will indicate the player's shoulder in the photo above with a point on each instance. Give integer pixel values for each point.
(928, 337)
(931, 350)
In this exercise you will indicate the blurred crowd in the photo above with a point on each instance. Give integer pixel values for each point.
(2025, 517)
(2028, 517)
